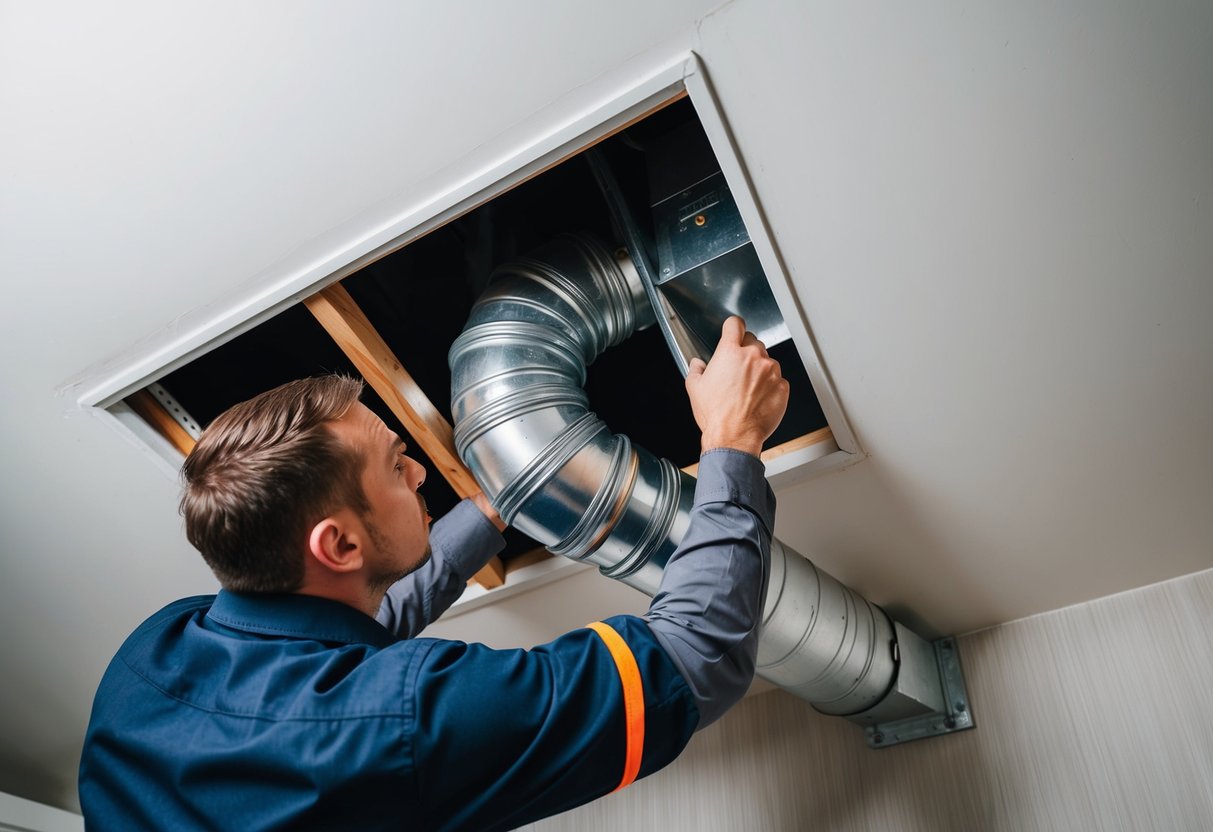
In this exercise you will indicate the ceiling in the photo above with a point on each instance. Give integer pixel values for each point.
(998, 220)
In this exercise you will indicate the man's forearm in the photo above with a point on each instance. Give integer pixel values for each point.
(708, 610)
(461, 543)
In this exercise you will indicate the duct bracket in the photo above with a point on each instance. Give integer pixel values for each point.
(920, 664)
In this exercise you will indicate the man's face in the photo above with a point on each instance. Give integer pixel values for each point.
(397, 522)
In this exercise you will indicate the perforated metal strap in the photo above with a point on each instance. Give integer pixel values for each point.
(633, 699)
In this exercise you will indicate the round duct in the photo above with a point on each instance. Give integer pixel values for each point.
(555, 471)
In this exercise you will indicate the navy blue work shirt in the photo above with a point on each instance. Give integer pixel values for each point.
(244, 712)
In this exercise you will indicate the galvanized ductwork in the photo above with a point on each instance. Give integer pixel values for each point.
(555, 471)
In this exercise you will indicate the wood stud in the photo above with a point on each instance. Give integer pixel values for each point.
(353, 332)
(154, 413)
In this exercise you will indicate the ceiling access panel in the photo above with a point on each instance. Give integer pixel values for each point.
(415, 277)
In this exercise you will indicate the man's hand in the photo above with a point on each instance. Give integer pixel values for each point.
(740, 396)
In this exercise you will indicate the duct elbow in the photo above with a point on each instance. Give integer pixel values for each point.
(522, 420)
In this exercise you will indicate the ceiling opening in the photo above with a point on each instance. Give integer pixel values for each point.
(393, 321)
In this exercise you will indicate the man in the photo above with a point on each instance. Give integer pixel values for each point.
(300, 696)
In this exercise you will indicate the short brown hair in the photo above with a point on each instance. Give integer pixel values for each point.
(263, 474)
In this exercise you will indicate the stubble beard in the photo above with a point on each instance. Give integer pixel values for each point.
(381, 582)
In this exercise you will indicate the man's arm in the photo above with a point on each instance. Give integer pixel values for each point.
(461, 543)
(533, 733)
(707, 611)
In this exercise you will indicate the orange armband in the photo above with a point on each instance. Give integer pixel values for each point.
(633, 699)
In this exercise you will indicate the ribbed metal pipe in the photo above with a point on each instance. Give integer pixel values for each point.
(556, 472)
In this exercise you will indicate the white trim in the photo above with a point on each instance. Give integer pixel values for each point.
(139, 433)
(525, 579)
(707, 107)
(798, 468)
(20, 815)
(801, 456)
(479, 186)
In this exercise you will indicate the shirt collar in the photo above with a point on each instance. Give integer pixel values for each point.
(298, 616)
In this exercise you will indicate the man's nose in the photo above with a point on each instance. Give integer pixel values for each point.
(418, 471)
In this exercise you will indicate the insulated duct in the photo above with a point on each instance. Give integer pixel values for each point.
(556, 472)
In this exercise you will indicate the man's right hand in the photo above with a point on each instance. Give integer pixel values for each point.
(740, 396)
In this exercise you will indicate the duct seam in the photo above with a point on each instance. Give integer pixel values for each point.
(514, 405)
(658, 526)
(605, 508)
(547, 464)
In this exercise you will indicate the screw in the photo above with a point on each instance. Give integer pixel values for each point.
(700, 220)
(878, 738)
(950, 722)
(960, 706)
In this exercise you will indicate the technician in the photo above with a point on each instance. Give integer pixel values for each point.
(302, 697)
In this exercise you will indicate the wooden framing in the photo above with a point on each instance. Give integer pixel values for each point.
(770, 454)
(364, 346)
(353, 332)
(155, 414)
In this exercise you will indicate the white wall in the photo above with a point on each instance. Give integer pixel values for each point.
(20, 815)
(1094, 717)
(996, 216)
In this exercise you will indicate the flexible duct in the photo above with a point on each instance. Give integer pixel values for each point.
(556, 472)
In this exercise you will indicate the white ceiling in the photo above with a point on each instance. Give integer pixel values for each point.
(998, 218)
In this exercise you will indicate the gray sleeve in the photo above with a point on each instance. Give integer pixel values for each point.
(707, 612)
(461, 543)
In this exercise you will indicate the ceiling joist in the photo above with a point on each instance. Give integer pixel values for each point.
(353, 332)
(155, 414)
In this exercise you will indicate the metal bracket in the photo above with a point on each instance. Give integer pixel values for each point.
(956, 716)
(682, 341)
(174, 409)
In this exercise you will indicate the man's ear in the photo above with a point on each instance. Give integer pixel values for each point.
(336, 543)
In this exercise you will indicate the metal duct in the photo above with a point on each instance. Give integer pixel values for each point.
(556, 472)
